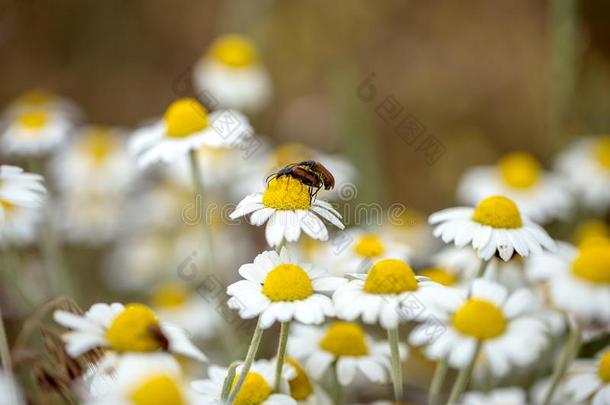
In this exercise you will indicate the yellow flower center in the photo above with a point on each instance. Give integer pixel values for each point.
(602, 152)
(390, 276)
(604, 367)
(369, 246)
(480, 318)
(440, 275)
(345, 339)
(184, 117)
(593, 262)
(592, 229)
(255, 390)
(37, 97)
(234, 51)
(133, 330)
(287, 194)
(33, 120)
(158, 390)
(300, 386)
(7, 206)
(289, 153)
(519, 170)
(498, 212)
(170, 296)
(99, 143)
(287, 282)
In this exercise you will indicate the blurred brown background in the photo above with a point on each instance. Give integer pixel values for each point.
(484, 77)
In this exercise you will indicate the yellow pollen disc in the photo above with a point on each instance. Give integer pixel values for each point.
(390, 276)
(300, 386)
(99, 143)
(604, 367)
(131, 330)
(7, 206)
(287, 282)
(234, 51)
(480, 319)
(158, 390)
(440, 275)
(593, 262)
(519, 170)
(498, 212)
(255, 389)
(287, 194)
(33, 120)
(345, 339)
(602, 152)
(37, 97)
(369, 246)
(289, 153)
(591, 229)
(170, 296)
(184, 117)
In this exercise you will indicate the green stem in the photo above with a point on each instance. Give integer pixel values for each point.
(567, 355)
(55, 263)
(226, 386)
(281, 354)
(338, 393)
(482, 268)
(437, 382)
(254, 343)
(5, 352)
(396, 367)
(10, 269)
(463, 378)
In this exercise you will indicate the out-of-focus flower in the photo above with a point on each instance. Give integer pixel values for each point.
(591, 229)
(383, 294)
(540, 196)
(345, 344)
(498, 396)
(186, 126)
(257, 388)
(21, 198)
(287, 208)
(131, 328)
(501, 324)
(278, 288)
(11, 394)
(496, 224)
(231, 75)
(303, 389)
(43, 99)
(589, 380)
(586, 166)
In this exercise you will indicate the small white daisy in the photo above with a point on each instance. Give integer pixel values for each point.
(287, 208)
(589, 380)
(586, 166)
(384, 295)
(302, 388)
(257, 388)
(11, 393)
(540, 196)
(278, 288)
(43, 99)
(187, 126)
(498, 396)
(345, 344)
(495, 225)
(130, 328)
(232, 74)
(501, 324)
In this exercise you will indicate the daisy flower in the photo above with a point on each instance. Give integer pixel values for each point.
(43, 99)
(232, 74)
(287, 208)
(495, 225)
(11, 393)
(490, 320)
(519, 176)
(187, 126)
(346, 345)
(590, 229)
(586, 167)
(589, 380)
(130, 328)
(383, 295)
(498, 396)
(278, 288)
(144, 379)
(256, 389)
(302, 388)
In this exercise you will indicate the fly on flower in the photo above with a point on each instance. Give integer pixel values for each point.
(309, 172)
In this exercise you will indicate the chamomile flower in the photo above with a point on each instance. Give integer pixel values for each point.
(302, 388)
(540, 196)
(384, 293)
(22, 195)
(278, 288)
(586, 167)
(345, 344)
(232, 76)
(43, 99)
(500, 323)
(495, 225)
(144, 379)
(498, 396)
(130, 328)
(186, 126)
(287, 208)
(11, 394)
(257, 388)
(589, 380)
